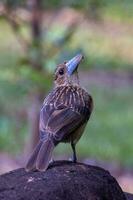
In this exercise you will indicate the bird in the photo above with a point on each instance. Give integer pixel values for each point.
(63, 115)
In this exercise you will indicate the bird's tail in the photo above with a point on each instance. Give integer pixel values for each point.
(41, 155)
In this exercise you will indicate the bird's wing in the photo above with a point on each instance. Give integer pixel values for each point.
(62, 121)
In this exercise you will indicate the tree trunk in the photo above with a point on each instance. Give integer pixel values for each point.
(36, 57)
(33, 120)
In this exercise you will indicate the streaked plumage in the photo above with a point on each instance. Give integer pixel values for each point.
(63, 117)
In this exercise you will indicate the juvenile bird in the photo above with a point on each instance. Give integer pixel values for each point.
(63, 115)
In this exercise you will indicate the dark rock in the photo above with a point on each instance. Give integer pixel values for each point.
(129, 196)
(63, 180)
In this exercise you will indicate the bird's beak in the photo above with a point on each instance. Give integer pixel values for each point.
(73, 63)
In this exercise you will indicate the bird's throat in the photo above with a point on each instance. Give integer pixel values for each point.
(74, 78)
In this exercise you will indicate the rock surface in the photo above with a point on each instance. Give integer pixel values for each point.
(63, 180)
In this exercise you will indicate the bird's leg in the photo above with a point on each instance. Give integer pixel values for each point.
(74, 159)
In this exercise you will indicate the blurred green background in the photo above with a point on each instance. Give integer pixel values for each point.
(35, 36)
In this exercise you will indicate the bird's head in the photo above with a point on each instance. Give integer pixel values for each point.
(65, 71)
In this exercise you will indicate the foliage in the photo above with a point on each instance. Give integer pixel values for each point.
(117, 10)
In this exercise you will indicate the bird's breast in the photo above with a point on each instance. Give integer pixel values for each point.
(70, 96)
(73, 97)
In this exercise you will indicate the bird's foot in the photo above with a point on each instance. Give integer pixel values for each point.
(73, 159)
(51, 161)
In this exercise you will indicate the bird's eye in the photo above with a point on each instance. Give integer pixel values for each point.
(61, 71)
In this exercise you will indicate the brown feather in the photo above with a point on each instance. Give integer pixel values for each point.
(63, 117)
(71, 106)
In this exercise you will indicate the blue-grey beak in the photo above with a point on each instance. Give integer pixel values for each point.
(73, 63)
